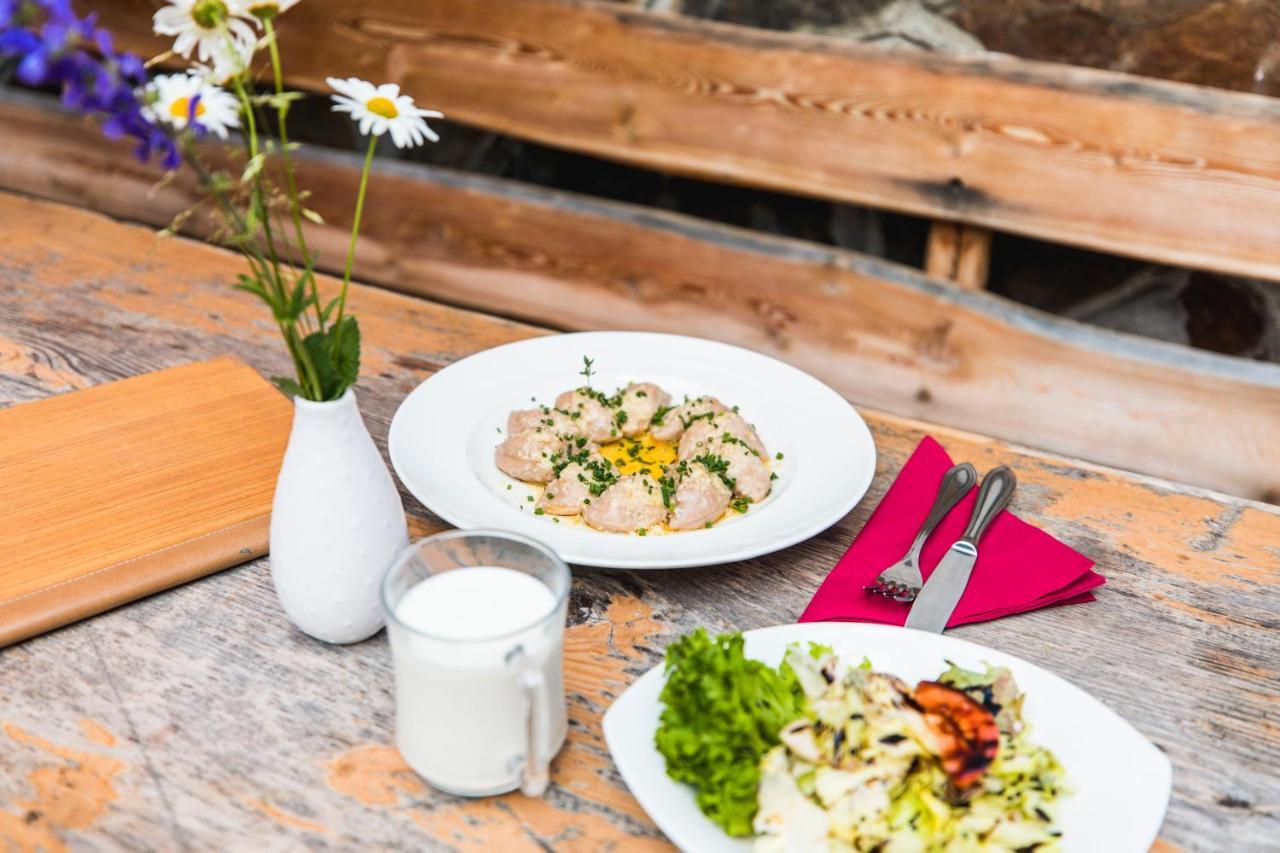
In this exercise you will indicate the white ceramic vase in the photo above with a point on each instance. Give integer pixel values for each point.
(336, 523)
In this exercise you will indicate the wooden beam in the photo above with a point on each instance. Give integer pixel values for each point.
(1152, 169)
(882, 334)
(959, 253)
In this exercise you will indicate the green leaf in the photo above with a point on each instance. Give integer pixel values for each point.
(328, 310)
(252, 285)
(346, 334)
(317, 346)
(963, 679)
(250, 220)
(288, 386)
(253, 167)
(299, 300)
(280, 101)
(284, 99)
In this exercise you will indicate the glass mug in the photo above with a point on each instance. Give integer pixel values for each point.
(476, 620)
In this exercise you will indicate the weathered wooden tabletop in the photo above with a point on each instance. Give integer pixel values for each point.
(200, 719)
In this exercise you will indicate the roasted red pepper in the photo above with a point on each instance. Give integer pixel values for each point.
(966, 733)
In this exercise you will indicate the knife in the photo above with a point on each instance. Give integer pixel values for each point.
(933, 606)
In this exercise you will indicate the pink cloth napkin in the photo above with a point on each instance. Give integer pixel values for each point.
(1019, 567)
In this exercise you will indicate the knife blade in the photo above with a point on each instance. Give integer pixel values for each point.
(941, 593)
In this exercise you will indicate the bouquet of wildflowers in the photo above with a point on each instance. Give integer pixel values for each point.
(229, 44)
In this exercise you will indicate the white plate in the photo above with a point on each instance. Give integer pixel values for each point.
(1121, 780)
(443, 436)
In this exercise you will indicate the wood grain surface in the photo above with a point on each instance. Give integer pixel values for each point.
(884, 335)
(959, 253)
(199, 719)
(1153, 169)
(121, 490)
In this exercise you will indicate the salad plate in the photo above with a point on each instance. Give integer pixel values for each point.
(1118, 783)
(444, 434)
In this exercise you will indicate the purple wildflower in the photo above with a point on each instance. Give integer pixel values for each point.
(51, 46)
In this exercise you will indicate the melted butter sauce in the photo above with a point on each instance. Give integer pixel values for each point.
(642, 454)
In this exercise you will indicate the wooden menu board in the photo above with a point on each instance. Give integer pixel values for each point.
(122, 490)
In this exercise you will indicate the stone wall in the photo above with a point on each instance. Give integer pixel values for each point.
(1231, 44)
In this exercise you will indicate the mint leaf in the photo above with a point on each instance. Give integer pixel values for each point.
(288, 386)
(347, 355)
(317, 346)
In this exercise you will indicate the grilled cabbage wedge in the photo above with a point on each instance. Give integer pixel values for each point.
(876, 765)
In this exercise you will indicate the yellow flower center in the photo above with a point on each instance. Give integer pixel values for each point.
(209, 14)
(181, 108)
(382, 107)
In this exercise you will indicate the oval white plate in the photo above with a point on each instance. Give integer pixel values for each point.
(444, 433)
(1121, 780)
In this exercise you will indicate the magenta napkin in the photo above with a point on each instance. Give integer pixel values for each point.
(1019, 567)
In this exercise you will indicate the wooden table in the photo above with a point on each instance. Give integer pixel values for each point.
(200, 719)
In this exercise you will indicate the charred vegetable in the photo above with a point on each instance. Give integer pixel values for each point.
(966, 734)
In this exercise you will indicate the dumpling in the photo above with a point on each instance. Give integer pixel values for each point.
(701, 432)
(596, 421)
(700, 496)
(568, 493)
(528, 455)
(633, 503)
(673, 422)
(640, 400)
(541, 418)
(750, 475)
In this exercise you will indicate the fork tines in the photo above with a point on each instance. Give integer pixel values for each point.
(889, 589)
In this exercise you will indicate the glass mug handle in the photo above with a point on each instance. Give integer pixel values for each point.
(532, 766)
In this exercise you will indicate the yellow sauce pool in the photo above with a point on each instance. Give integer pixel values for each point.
(642, 454)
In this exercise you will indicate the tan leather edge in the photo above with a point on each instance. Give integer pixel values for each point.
(90, 595)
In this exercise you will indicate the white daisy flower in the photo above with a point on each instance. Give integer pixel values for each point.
(168, 98)
(382, 108)
(217, 30)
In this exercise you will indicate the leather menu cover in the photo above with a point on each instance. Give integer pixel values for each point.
(122, 490)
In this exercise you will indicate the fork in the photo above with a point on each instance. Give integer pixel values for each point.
(902, 580)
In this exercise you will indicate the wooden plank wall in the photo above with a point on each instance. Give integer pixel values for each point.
(884, 335)
(1158, 170)
(959, 253)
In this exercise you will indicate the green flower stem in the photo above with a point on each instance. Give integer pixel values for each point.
(303, 365)
(295, 207)
(307, 373)
(351, 248)
(257, 262)
(253, 234)
(256, 199)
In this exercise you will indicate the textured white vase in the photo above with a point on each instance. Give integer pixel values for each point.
(336, 523)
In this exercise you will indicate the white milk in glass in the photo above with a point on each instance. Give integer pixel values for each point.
(461, 714)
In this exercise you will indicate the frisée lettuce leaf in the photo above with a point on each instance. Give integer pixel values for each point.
(722, 713)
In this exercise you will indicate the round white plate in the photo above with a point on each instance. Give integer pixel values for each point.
(444, 433)
(1121, 780)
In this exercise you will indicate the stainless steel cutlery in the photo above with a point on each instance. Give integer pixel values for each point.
(938, 598)
(902, 580)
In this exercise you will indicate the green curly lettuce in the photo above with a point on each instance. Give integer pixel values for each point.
(722, 713)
